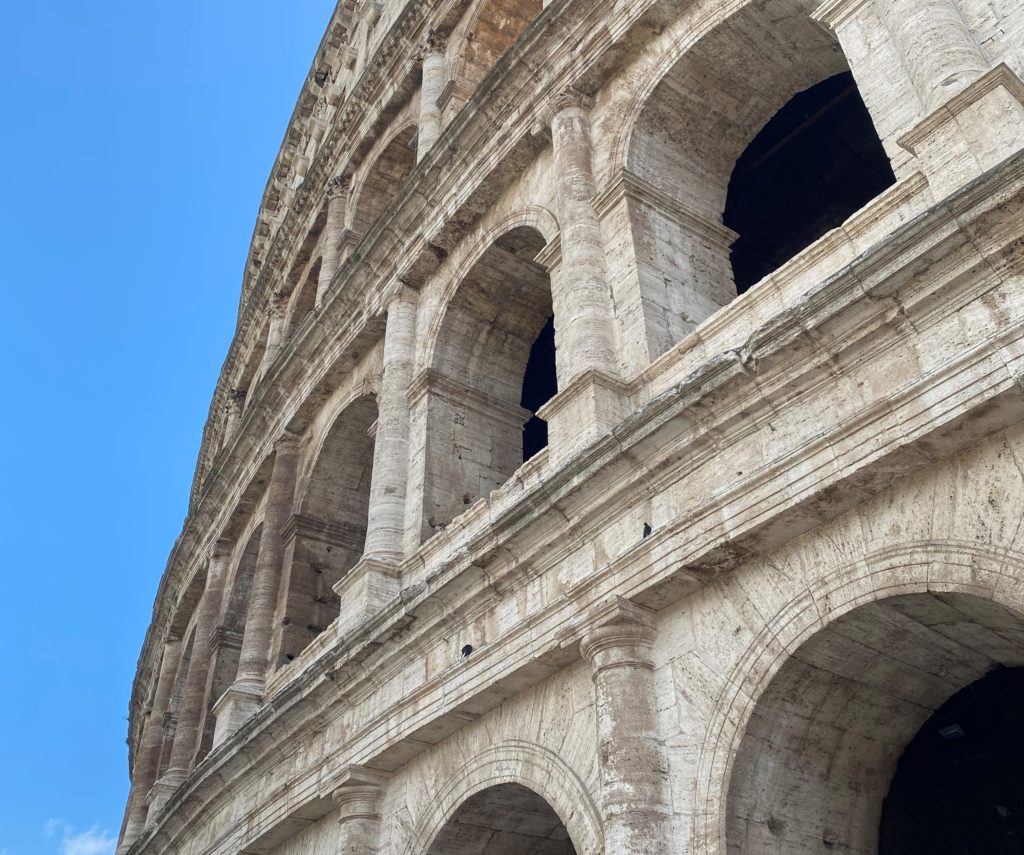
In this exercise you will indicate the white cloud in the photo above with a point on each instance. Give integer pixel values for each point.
(91, 842)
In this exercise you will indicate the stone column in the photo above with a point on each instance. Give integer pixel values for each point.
(358, 799)
(619, 646)
(147, 758)
(591, 398)
(246, 693)
(386, 522)
(193, 697)
(376, 579)
(432, 85)
(586, 330)
(334, 230)
(235, 406)
(938, 50)
(275, 331)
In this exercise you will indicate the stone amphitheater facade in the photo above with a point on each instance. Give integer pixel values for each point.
(768, 525)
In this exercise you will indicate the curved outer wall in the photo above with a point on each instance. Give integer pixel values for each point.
(377, 616)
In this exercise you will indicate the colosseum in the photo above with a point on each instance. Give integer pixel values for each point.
(621, 446)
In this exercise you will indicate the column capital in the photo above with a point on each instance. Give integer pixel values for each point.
(435, 41)
(617, 633)
(277, 305)
(358, 793)
(572, 97)
(338, 186)
(287, 443)
(222, 548)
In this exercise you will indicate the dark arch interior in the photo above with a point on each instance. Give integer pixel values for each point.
(816, 162)
(507, 819)
(959, 785)
(540, 385)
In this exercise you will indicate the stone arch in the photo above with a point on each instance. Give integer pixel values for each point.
(535, 217)
(325, 536)
(383, 178)
(482, 357)
(898, 583)
(492, 29)
(528, 765)
(720, 83)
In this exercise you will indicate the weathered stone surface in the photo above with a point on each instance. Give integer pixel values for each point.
(769, 532)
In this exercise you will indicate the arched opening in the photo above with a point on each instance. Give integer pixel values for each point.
(226, 643)
(492, 369)
(325, 538)
(493, 30)
(958, 788)
(820, 750)
(715, 147)
(507, 819)
(303, 298)
(384, 179)
(816, 162)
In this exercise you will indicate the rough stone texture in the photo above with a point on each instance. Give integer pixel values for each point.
(769, 533)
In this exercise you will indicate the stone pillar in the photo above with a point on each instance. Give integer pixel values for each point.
(386, 523)
(235, 407)
(275, 331)
(967, 117)
(619, 645)
(591, 399)
(358, 799)
(586, 331)
(147, 758)
(937, 48)
(376, 579)
(334, 230)
(246, 693)
(432, 85)
(193, 698)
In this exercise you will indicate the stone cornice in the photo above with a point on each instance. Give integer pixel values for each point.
(870, 311)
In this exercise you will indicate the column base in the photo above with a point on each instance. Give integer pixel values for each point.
(161, 793)
(235, 707)
(976, 130)
(582, 413)
(365, 590)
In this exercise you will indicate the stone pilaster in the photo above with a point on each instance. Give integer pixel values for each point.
(375, 580)
(433, 82)
(147, 758)
(391, 448)
(937, 48)
(193, 699)
(971, 115)
(276, 315)
(337, 205)
(235, 407)
(358, 798)
(245, 695)
(591, 399)
(586, 330)
(619, 643)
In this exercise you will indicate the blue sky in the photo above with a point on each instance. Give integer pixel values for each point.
(136, 139)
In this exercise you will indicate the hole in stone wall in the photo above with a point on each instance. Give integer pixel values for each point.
(958, 789)
(540, 385)
(816, 162)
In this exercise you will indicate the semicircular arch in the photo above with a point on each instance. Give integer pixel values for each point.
(529, 765)
(911, 568)
(535, 217)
